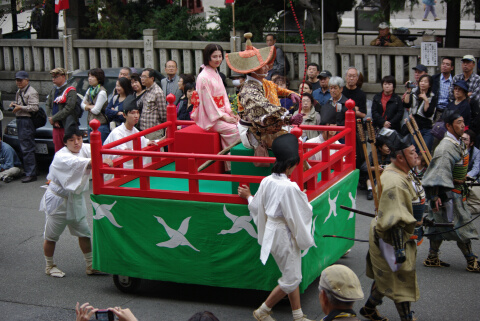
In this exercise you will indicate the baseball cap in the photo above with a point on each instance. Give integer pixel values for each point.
(58, 71)
(22, 74)
(420, 67)
(469, 58)
(383, 25)
(342, 283)
(325, 74)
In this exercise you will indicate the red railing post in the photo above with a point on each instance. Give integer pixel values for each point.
(171, 116)
(350, 138)
(95, 147)
(297, 175)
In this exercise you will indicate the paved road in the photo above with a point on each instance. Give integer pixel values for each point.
(26, 293)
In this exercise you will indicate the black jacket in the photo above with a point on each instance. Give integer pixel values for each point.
(393, 112)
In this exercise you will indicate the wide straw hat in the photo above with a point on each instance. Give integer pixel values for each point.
(252, 59)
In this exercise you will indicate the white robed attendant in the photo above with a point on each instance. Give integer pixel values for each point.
(283, 216)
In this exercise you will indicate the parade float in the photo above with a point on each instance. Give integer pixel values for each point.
(166, 220)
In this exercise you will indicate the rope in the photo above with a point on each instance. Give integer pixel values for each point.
(304, 49)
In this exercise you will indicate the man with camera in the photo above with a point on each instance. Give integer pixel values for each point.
(385, 38)
(26, 102)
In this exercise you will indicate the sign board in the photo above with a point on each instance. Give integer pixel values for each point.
(429, 54)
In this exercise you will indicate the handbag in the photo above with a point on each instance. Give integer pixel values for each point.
(439, 129)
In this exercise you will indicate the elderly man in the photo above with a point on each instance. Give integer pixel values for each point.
(154, 105)
(280, 64)
(322, 94)
(60, 104)
(169, 84)
(444, 182)
(26, 102)
(351, 91)
(339, 288)
(337, 100)
(262, 117)
(472, 79)
(385, 38)
(392, 252)
(313, 70)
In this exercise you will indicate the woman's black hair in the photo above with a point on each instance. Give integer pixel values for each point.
(209, 50)
(99, 74)
(280, 167)
(188, 86)
(136, 77)
(472, 136)
(70, 134)
(187, 78)
(390, 80)
(430, 83)
(310, 96)
(203, 316)
(126, 85)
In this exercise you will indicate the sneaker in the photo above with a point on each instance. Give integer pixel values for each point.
(473, 266)
(425, 20)
(369, 195)
(261, 315)
(436, 19)
(435, 262)
(372, 314)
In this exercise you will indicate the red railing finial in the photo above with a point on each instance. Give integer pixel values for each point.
(350, 104)
(297, 131)
(170, 98)
(94, 124)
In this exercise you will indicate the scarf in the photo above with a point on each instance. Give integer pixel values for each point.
(93, 92)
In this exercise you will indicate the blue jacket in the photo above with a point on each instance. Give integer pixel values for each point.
(429, 2)
(8, 157)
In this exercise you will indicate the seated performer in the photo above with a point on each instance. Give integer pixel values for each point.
(283, 217)
(63, 202)
(213, 112)
(131, 114)
(262, 119)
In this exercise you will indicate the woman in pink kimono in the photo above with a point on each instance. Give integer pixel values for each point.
(213, 112)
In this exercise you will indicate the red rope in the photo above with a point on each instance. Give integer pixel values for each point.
(304, 48)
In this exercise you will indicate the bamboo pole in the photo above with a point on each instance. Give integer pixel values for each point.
(222, 152)
(361, 136)
(371, 136)
(412, 132)
(420, 137)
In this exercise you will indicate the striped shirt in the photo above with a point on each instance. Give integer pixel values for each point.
(444, 92)
(154, 110)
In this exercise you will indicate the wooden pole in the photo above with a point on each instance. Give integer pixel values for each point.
(371, 136)
(222, 152)
(420, 137)
(412, 132)
(65, 47)
(361, 136)
(233, 20)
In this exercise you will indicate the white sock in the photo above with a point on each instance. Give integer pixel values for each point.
(265, 307)
(88, 258)
(297, 314)
(49, 261)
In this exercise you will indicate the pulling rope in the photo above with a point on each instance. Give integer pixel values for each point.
(304, 49)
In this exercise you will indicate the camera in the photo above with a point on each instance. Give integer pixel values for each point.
(410, 85)
(104, 315)
(10, 109)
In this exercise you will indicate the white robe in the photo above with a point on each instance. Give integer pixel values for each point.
(119, 133)
(69, 177)
(318, 140)
(280, 198)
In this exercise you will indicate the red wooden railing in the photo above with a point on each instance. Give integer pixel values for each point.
(332, 167)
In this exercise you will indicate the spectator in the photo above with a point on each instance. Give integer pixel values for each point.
(419, 70)
(138, 90)
(441, 85)
(352, 91)
(385, 38)
(114, 111)
(203, 316)
(95, 101)
(307, 89)
(237, 80)
(154, 110)
(468, 138)
(36, 16)
(125, 72)
(169, 84)
(421, 103)
(185, 106)
(387, 107)
(383, 155)
(63, 201)
(287, 103)
(60, 105)
(310, 116)
(10, 164)
(26, 102)
(328, 118)
(184, 79)
(460, 104)
(131, 116)
(429, 6)
(85, 312)
(280, 65)
(322, 94)
(313, 70)
(337, 101)
(339, 289)
(472, 79)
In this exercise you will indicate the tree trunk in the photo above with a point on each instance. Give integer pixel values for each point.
(385, 8)
(477, 11)
(49, 22)
(13, 9)
(452, 39)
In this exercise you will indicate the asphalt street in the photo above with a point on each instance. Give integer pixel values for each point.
(26, 293)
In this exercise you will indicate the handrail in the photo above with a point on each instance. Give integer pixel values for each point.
(332, 167)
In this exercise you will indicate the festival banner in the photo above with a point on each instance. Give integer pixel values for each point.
(61, 5)
(211, 244)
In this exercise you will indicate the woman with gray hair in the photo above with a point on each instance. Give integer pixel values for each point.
(337, 101)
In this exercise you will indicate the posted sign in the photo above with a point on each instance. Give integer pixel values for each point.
(430, 54)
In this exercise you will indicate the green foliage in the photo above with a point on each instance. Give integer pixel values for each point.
(310, 36)
(127, 21)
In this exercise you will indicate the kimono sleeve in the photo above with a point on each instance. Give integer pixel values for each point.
(69, 171)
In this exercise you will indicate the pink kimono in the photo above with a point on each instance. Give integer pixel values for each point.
(213, 104)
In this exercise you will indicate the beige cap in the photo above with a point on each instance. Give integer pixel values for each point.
(342, 282)
(383, 25)
(469, 58)
(58, 71)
